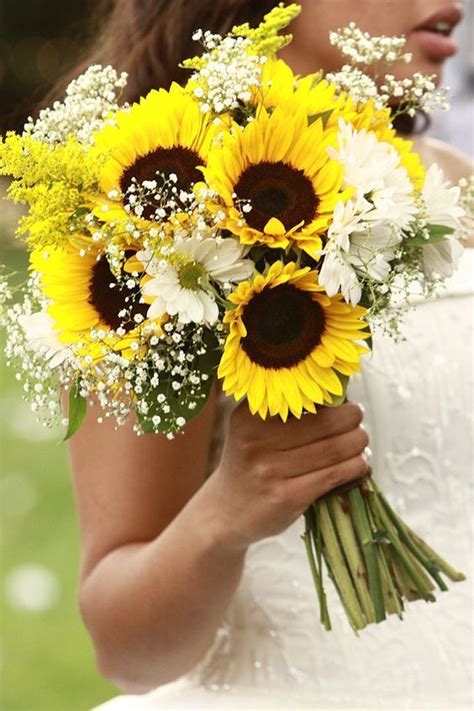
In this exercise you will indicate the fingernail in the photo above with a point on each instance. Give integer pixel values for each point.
(368, 454)
(362, 408)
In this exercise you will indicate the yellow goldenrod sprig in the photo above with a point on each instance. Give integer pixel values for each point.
(265, 38)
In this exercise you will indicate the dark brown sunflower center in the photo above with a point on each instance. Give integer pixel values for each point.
(159, 165)
(283, 325)
(277, 190)
(110, 301)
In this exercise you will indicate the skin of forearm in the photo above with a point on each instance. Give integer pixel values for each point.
(153, 608)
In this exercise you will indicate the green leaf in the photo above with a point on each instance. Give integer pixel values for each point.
(179, 404)
(76, 411)
(437, 233)
(324, 115)
(339, 399)
(80, 212)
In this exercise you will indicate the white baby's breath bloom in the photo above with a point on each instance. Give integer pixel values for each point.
(356, 84)
(42, 338)
(363, 48)
(180, 287)
(89, 101)
(228, 72)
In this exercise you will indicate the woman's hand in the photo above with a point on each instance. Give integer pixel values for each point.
(271, 471)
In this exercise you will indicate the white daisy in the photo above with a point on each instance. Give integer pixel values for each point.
(442, 258)
(41, 337)
(441, 208)
(373, 168)
(337, 274)
(358, 246)
(441, 200)
(178, 287)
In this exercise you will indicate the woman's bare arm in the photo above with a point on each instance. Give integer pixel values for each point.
(164, 546)
(150, 598)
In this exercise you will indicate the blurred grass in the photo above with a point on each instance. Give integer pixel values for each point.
(47, 658)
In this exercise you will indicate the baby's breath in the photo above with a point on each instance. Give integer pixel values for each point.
(89, 101)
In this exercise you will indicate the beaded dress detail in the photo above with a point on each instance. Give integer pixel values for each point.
(270, 651)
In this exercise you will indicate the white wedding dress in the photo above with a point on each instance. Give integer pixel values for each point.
(271, 652)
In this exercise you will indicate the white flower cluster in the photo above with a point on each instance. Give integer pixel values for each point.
(42, 364)
(367, 231)
(5, 296)
(228, 74)
(420, 92)
(89, 101)
(362, 48)
(356, 84)
(152, 386)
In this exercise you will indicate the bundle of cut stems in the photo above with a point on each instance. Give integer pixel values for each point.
(376, 562)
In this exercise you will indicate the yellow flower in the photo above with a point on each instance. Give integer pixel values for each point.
(311, 94)
(85, 295)
(288, 341)
(165, 133)
(276, 180)
(280, 86)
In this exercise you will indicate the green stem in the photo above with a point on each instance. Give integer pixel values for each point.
(402, 579)
(364, 532)
(340, 511)
(411, 566)
(338, 567)
(433, 559)
(316, 570)
(428, 564)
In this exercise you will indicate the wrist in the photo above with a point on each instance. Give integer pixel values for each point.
(222, 533)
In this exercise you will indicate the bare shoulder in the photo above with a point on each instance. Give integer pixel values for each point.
(454, 163)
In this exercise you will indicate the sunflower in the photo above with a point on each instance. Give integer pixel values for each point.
(311, 93)
(163, 137)
(289, 341)
(85, 295)
(319, 97)
(277, 181)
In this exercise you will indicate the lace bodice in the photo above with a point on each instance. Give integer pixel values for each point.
(270, 651)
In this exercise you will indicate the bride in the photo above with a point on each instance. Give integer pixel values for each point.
(194, 583)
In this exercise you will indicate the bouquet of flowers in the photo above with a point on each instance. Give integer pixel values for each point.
(253, 225)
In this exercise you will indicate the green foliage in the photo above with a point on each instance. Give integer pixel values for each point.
(179, 401)
(76, 411)
(436, 233)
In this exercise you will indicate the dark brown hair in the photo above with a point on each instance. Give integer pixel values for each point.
(149, 38)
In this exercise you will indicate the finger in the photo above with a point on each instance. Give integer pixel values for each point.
(307, 488)
(327, 422)
(324, 453)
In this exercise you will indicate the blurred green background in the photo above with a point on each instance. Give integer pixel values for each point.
(46, 658)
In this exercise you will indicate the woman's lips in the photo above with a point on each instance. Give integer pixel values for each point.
(434, 34)
(435, 45)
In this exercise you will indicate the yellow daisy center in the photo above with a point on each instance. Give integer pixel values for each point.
(190, 276)
(283, 325)
(277, 190)
(109, 297)
(158, 165)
